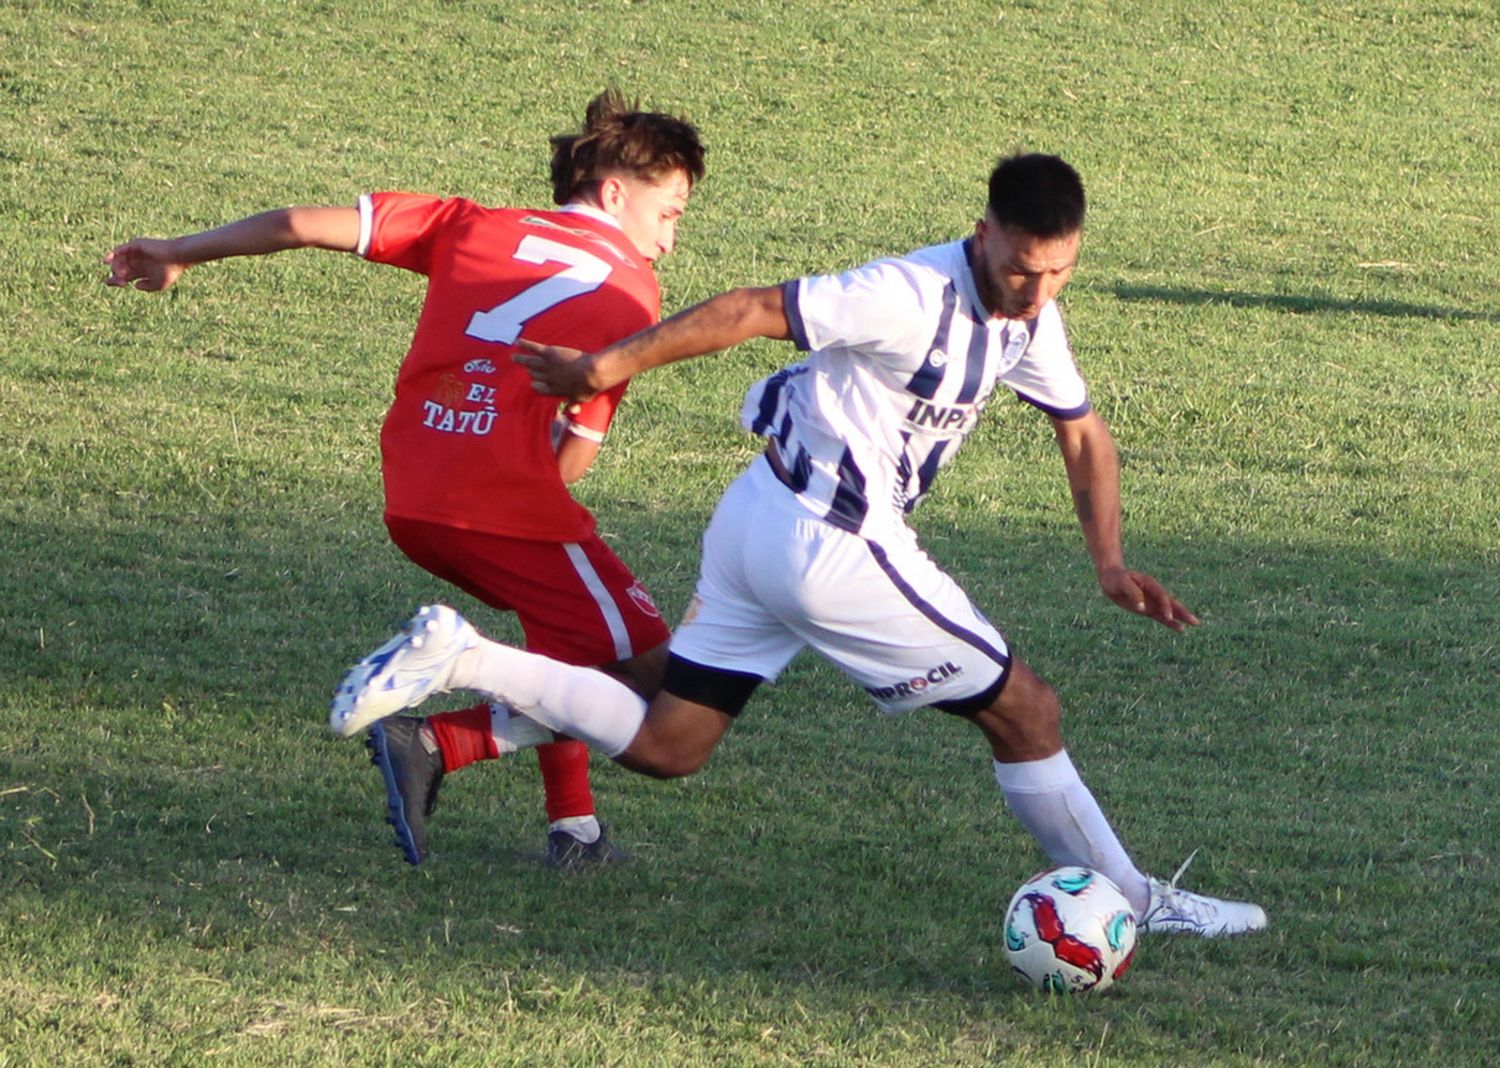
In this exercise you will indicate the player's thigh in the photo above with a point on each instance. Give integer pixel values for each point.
(726, 626)
(586, 607)
(889, 618)
(577, 602)
(451, 554)
(642, 673)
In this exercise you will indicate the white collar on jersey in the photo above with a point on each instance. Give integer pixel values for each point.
(574, 207)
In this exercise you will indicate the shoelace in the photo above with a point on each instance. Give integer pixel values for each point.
(1181, 902)
(1182, 868)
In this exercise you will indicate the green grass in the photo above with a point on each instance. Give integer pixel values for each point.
(1287, 310)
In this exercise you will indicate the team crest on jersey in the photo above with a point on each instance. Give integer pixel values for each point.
(1016, 341)
(643, 601)
(450, 390)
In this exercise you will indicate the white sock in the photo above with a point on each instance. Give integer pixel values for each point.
(584, 828)
(1052, 802)
(581, 702)
(513, 732)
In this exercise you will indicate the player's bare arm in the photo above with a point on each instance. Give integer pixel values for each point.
(575, 455)
(717, 324)
(156, 263)
(1093, 466)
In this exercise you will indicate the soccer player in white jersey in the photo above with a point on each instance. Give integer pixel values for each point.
(810, 546)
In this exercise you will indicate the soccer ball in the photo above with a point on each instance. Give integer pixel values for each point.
(1069, 930)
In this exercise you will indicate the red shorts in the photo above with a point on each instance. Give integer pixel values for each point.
(576, 601)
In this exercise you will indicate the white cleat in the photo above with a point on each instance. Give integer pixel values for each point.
(1176, 911)
(404, 672)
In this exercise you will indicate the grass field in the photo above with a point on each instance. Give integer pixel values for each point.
(1288, 308)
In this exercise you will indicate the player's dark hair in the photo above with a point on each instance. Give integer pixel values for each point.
(1037, 194)
(618, 138)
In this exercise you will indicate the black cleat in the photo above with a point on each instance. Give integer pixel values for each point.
(412, 776)
(566, 853)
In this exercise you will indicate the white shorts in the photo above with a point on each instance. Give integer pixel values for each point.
(776, 578)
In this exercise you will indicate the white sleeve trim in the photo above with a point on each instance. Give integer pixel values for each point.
(366, 224)
(586, 433)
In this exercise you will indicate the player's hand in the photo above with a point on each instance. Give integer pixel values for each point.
(1138, 592)
(145, 263)
(557, 371)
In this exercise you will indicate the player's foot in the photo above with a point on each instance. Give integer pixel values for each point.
(412, 772)
(566, 853)
(403, 672)
(1174, 910)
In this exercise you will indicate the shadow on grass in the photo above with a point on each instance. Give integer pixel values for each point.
(172, 809)
(1299, 304)
(213, 824)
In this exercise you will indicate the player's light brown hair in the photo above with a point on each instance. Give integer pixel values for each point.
(619, 138)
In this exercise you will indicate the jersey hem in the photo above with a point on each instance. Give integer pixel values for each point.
(552, 535)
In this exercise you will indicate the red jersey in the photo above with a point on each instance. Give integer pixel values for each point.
(467, 441)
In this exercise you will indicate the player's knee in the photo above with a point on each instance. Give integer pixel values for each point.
(642, 673)
(1025, 720)
(677, 767)
(680, 730)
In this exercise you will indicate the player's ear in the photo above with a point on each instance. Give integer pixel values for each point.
(612, 194)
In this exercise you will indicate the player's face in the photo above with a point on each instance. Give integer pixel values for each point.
(648, 211)
(1017, 273)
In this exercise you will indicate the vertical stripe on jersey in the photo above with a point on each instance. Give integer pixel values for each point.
(911, 496)
(618, 632)
(796, 471)
(772, 397)
(974, 364)
(927, 472)
(927, 379)
(849, 503)
(927, 609)
(903, 473)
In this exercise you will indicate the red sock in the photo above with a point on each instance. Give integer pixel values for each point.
(565, 777)
(464, 737)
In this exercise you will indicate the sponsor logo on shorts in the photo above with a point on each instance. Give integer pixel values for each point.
(917, 684)
(643, 601)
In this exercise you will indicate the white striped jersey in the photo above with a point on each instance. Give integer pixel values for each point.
(902, 359)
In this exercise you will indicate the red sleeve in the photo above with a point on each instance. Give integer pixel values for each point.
(595, 416)
(402, 227)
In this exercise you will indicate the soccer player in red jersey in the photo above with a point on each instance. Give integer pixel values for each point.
(476, 463)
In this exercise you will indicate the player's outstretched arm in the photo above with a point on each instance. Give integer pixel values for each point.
(718, 323)
(156, 263)
(1093, 465)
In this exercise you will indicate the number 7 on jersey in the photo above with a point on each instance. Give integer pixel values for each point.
(584, 273)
